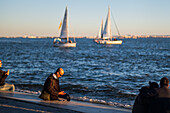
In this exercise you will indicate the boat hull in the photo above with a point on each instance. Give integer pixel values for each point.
(65, 44)
(114, 42)
(108, 41)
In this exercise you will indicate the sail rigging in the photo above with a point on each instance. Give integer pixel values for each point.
(115, 25)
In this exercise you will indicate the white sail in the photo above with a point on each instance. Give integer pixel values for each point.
(64, 30)
(107, 28)
(100, 34)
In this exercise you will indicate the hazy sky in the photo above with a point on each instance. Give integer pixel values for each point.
(42, 17)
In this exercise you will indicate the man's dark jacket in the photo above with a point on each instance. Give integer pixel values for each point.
(143, 100)
(162, 103)
(51, 86)
(3, 76)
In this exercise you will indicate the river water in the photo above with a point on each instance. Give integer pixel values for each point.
(105, 74)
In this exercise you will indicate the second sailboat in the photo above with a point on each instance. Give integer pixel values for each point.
(105, 36)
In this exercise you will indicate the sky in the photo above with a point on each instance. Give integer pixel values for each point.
(42, 17)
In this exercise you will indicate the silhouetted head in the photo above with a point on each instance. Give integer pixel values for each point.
(164, 82)
(153, 85)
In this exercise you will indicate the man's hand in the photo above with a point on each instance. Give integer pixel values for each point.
(7, 73)
(61, 93)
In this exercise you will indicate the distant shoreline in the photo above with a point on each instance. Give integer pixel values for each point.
(92, 37)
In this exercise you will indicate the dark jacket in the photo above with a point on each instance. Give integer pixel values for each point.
(161, 104)
(143, 100)
(3, 76)
(51, 87)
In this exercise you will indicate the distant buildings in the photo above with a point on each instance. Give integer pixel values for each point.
(92, 37)
(145, 36)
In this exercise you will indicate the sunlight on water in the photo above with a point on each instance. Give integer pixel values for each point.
(102, 74)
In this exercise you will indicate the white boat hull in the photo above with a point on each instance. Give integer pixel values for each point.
(65, 44)
(108, 41)
(114, 42)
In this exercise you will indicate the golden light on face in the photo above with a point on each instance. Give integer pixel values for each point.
(0, 63)
(61, 72)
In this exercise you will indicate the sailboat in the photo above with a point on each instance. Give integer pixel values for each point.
(63, 40)
(105, 36)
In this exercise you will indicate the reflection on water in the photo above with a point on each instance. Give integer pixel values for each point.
(109, 73)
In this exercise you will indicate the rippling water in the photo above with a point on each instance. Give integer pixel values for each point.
(108, 74)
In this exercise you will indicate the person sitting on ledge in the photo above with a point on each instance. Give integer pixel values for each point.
(4, 86)
(51, 90)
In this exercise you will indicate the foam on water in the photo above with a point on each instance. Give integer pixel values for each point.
(85, 99)
(110, 74)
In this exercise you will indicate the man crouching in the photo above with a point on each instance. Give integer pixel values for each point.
(51, 90)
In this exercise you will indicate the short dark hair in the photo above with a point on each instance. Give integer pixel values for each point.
(164, 82)
(58, 70)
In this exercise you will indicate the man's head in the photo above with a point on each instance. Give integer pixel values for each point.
(164, 82)
(0, 63)
(59, 72)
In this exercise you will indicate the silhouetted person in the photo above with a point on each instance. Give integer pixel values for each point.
(164, 91)
(162, 103)
(147, 93)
